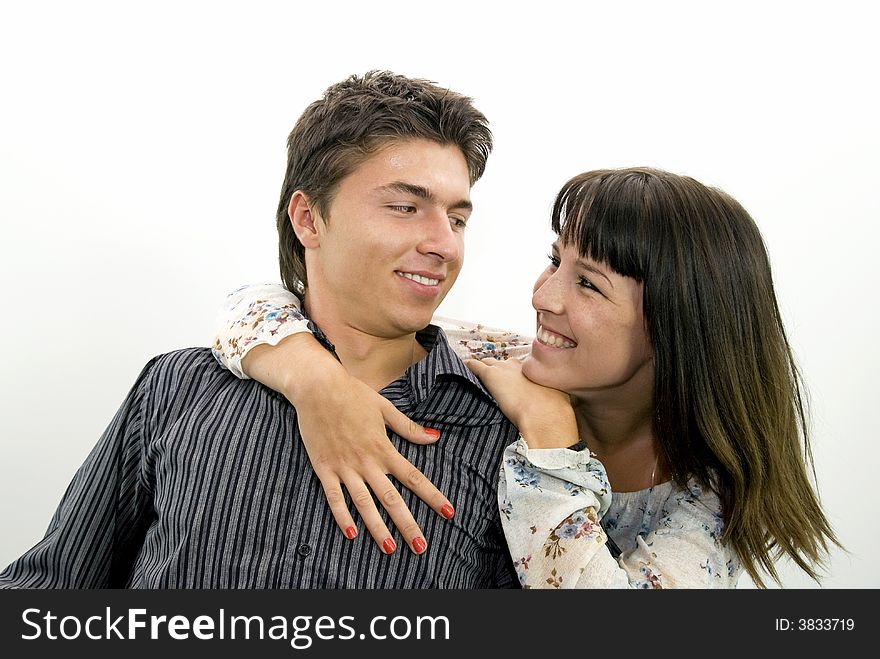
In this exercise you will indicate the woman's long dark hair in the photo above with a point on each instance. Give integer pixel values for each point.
(729, 400)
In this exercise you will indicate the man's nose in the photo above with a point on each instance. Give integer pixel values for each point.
(440, 238)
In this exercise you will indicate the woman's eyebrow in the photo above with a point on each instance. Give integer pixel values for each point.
(591, 268)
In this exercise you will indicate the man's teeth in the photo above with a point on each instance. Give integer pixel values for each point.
(419, 279)
(553, 340)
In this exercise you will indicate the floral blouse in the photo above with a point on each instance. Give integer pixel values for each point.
(564, 527)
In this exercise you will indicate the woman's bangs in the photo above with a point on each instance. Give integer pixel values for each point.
(602, 216)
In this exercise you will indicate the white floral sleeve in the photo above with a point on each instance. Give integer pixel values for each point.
(266, 313)
(254, 315)
(551, 501)
(476, 341)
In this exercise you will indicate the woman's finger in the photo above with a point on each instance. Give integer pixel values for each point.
(400, 514)
(414, 480)
(406, 427)
(362, 498)
(475, 366)
(338, 506)
(410, 477)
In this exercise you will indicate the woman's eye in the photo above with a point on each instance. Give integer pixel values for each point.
(554, 260)
(583, 282)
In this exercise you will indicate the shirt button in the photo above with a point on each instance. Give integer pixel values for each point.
(304, 550)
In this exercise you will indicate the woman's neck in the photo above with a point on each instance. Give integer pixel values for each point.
(622, 437)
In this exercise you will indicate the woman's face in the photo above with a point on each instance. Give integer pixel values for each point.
(591, 340)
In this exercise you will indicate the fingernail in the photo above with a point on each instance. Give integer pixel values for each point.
(419, 545)
(351, 533)
(433, 434)
(389, 546)
(447, 511)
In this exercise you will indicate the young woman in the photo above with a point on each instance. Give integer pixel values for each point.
(657, 323)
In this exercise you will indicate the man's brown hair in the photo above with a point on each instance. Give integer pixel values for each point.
(350, 122)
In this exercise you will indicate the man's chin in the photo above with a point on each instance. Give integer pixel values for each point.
(408, 318)
(413, 321)
(411, 326)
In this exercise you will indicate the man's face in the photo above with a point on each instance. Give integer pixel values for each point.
(393, 241)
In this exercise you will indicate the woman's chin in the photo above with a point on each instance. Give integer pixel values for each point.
(535, 371)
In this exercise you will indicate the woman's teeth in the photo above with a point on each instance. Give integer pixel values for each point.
(549, 339)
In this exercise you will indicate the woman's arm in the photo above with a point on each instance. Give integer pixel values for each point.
(477, 341)
(266, 314)
(255, 315)
(552, 500)
(551, 497)
(264, 335)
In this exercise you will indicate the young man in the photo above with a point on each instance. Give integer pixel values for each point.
(201, 480)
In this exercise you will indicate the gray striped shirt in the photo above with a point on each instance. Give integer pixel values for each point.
(201, 481)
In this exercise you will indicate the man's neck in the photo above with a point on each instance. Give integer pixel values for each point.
(377, 361)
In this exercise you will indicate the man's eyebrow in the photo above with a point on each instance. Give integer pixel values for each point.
(422, 192)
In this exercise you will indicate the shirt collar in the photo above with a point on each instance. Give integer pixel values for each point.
(440, 362)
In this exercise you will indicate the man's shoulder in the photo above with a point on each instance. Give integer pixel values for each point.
(190, 381)
(445, 388)
(184, 359)
(185, 366)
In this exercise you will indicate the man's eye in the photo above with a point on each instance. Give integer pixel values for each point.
(403, 208)
(458, 222)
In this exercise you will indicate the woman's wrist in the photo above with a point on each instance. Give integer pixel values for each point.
(556, 429)
(313, 374)
(298, 367)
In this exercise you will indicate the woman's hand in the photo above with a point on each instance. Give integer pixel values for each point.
(544, 416)
(342, 422)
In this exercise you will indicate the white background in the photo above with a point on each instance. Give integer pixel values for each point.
(142, 148)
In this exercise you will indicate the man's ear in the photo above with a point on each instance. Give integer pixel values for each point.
(304, 219)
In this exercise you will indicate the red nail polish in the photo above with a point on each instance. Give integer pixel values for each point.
(351, 533)
(447, 511)
(419, 545)
(389, 546)
(433, 434)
